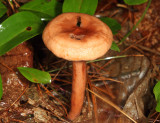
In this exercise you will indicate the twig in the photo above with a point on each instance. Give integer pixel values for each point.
(59, 71)
(103, 78)
(108, 92)
(7, 66)
(50, 94)
(112, 104)
(131, 45)
(156, 118)
(17, 98)
(115, 57)
(148, 49)
(17, 121)
(94, 102)
(107, 58)
(17, 5)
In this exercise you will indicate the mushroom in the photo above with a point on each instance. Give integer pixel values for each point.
(77, 37)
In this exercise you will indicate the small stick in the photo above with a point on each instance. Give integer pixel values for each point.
(113, 105)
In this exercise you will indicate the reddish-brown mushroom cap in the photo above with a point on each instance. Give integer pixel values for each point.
(77, 36)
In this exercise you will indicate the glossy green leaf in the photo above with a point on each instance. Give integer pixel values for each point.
(156, 91)
(115, 47)
(80, 6)
(35, 75)
(71, 6)
(1, 87)
(135, 2)
(43, 8)
(17, 29)
(112, 23)
(3, 9)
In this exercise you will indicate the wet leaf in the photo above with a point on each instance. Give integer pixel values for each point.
(156, 91)
(3, 9)
(115, 47)
(17, 29)
(1, 87)
(35, 75)
(43, 8)
(135, 2)
(80, 6)
(112, 23)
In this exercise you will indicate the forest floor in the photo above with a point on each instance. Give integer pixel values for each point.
(127, 81)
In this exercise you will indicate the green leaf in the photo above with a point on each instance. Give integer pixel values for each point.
(156, 91)
(71, 6)
(35, 75)
(80, 6)
(115, 47)
(17, 29)
(158, 104)
(1, 87)
(3, 9)
(135, 2)
(112, 23)
(43, 8)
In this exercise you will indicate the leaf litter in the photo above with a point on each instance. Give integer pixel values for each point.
(133, 94)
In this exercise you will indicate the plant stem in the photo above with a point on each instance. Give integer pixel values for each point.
(78, 89)
(134, 27)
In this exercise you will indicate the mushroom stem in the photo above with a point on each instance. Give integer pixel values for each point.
(78, 89)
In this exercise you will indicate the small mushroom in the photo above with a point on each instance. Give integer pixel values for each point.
(77, 37)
